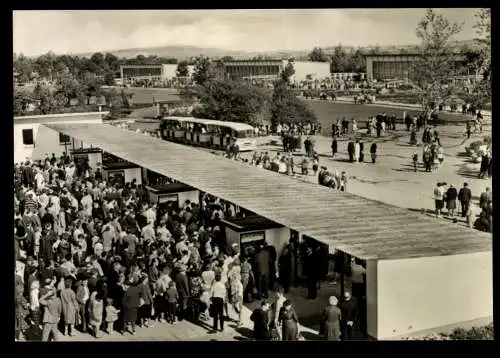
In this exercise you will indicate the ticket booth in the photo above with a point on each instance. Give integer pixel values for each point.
(85, 158)
(254, 230)
(172, 195)
(122, 172)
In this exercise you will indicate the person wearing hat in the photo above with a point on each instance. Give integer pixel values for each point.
(349, 313)
(465, 197)
(51, 315)
(131, 302)
(182, 285)
(289, 322)
(330, 321)
(69, 306)
(260, 319)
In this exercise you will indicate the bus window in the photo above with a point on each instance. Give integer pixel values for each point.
(247, 133)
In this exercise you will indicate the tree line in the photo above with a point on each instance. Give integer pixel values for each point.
(234, 100)
(105, 66)
(342, 59)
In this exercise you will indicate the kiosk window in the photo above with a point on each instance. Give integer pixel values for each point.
(28, 137)
(64, 139)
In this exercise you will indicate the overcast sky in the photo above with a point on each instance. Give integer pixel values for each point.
(36, 32)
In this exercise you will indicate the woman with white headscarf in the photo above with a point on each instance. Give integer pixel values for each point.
(330, 321)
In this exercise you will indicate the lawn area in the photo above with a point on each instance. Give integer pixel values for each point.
(328, 112)
(146, 95)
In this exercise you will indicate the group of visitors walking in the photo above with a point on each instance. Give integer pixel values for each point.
(449, 197)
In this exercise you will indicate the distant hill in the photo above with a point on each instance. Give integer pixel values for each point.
(186, 52)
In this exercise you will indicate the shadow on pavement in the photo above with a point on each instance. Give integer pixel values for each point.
(33, 334)
(245, 332)
(309, 336)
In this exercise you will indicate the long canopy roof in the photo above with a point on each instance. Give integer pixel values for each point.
(358, 226)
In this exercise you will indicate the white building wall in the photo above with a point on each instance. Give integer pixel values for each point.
(425, 293)
(319, 70)
(46, 140)
(169, 70)
(278, 238)
(133, 173)
(193, 196)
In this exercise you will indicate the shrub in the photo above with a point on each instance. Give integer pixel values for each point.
(475, 333)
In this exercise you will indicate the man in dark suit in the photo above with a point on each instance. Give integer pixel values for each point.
(465, 196)
(349, 310)
(263, 263)
(350, 151)
(28, 175)
(260, 319)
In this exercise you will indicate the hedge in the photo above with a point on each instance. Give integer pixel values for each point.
(460, 334)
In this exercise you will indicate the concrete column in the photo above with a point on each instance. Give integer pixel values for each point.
(369, 68)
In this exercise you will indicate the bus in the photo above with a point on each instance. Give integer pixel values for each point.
(208, 133)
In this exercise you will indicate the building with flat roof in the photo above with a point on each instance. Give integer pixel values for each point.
(31, 140)
(271, 69)
(398, 66)
(157, 72)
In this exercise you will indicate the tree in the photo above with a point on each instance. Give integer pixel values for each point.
(227, 59)
(317, 55)
(233, 101)
(482, 57)
(24, 68)
(182, 69)
(437, 59)
(112, 62)
(355, 61)
(286, 107)
(288, 71)
(203, 70)
(338, 60)
(44, 64)
(22, 99)
(48, 100)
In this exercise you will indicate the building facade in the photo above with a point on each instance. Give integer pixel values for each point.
(253, 69)
(155, 73)
(396, 66)
(33, 140)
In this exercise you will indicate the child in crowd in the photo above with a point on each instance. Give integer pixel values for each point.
(111, 315)
(172, 299)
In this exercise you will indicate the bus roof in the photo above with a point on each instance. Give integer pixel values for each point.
(212, 122)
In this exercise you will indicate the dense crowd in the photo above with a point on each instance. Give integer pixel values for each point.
(96, 256)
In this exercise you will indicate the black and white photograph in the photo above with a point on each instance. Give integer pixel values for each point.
(253, 175)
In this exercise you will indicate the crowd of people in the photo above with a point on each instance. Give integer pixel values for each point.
(97, 257)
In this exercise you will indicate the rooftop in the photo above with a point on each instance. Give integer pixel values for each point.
(59, 117)
(361, 227)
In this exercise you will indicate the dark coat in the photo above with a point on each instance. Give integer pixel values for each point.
(465, 195)
(334, 146)
(330, 323)
(349, 311)
(263, 262)
(451, 194)
(350, 147)
(130, 302)
(182, 284)
(260, 321)
(373, 148)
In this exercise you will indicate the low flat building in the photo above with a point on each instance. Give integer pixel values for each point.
(271, 69)
(157, 72)
(32, 140)
(397, 66)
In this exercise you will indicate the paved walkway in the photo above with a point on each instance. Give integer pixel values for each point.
(392, 180)
(184, 331)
